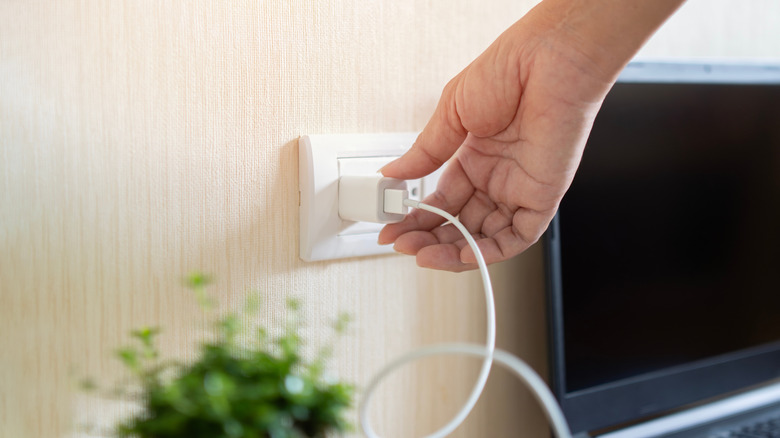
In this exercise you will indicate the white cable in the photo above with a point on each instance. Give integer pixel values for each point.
(491, 332)
(535, 383)
(488, 352)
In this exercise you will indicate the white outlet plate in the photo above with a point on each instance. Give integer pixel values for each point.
(322, 159)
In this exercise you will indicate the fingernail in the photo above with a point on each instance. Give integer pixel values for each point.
(382, 170)
(395, 248)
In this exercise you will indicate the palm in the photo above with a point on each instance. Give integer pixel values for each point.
(519, 132)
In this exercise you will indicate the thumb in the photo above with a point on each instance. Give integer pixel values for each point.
(441, 137)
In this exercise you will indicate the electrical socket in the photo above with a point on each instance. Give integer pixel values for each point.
(322, 160)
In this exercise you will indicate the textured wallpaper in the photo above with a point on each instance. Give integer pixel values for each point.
(140, 140)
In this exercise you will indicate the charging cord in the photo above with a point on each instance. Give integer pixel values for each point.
(486, 351)
(391, 200)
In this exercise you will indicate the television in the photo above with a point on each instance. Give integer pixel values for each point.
(663, 261)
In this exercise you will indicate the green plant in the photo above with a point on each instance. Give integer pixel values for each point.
(245, 383)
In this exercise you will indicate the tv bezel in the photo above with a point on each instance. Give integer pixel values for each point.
(645, 396)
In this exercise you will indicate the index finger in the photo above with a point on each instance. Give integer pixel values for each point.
(441, 137)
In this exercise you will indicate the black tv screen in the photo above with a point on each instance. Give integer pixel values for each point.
(668, 241)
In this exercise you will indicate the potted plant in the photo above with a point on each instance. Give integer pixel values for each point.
(244, 383)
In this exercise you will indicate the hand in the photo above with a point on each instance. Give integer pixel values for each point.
(513, 125)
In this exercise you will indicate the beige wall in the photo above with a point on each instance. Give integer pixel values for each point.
(143, 139)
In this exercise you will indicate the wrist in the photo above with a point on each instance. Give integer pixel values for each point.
(602, 35)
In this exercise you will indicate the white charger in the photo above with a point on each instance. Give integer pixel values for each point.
(372, 198)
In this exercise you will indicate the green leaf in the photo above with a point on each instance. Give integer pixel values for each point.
(253, 303)
(342, 323)
(195, 280)
(87, 384)
(145, 334)
(229, 327)
(129, 357)
(294, 304)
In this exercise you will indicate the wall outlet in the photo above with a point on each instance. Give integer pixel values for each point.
(322, 159)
